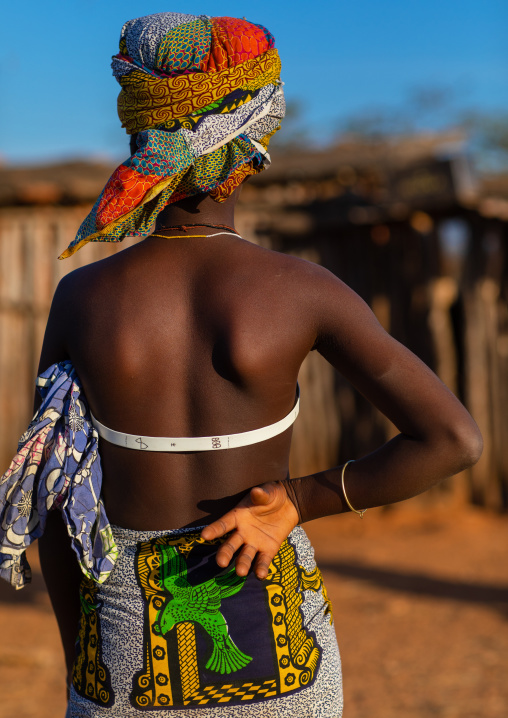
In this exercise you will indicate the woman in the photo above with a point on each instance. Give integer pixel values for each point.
(196, 333)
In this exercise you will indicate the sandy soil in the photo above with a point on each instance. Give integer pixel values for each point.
(420, 603)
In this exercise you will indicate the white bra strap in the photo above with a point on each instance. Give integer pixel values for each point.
(198, 443)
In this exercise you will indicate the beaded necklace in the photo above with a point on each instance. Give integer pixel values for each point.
(193, 236)
(184, 227)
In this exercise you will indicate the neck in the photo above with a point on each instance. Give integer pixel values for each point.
(198, 209)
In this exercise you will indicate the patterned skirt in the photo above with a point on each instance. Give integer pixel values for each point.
(170, 632)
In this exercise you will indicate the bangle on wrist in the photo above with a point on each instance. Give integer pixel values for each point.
(360, 513)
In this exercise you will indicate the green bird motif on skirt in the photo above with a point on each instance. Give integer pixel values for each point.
(200, 604)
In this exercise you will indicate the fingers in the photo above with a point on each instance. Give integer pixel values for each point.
(245, 559)
(262, 565)
(271, 495)
(261, 524)
(228, 549)
(220, 527)
(260, 495)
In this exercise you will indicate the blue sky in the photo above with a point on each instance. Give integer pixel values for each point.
(58, 97)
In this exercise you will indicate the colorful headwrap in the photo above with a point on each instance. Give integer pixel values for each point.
(204, 97)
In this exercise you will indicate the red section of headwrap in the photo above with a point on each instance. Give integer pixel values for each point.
(234, 41)
(124, 191)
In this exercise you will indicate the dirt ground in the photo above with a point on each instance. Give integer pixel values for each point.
(420, 599)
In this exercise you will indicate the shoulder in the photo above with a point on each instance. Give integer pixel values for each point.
(80, 282)
(297, 269)
(74, 297)
(84, 275)
(315, 293)
(318, 291)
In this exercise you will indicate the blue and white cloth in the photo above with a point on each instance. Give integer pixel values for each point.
(57, 467)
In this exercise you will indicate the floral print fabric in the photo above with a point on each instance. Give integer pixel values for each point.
(57, 467)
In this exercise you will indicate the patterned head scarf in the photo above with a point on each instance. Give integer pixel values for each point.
(203, 96)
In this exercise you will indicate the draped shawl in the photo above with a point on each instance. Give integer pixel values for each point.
(57, 467)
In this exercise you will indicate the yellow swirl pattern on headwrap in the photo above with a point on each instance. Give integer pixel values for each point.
(146, 101)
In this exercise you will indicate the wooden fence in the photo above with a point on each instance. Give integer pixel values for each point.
(30, 241)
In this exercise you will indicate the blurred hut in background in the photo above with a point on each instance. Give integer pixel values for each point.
(405, 222)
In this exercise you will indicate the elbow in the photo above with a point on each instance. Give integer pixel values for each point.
(466, 442)
(476, 446)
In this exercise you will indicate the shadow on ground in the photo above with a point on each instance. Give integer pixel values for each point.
(422, 585)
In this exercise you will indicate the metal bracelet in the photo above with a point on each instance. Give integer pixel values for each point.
(360, 513)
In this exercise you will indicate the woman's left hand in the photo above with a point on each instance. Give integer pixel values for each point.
(260, 523)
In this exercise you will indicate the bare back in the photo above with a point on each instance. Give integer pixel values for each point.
(187, 337)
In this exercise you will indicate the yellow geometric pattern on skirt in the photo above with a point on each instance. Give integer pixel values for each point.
(90, 677)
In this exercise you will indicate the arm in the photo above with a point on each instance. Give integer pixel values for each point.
(437, 435)
(59, 564)
(62, 576)
(437, 438)
(54, 348)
